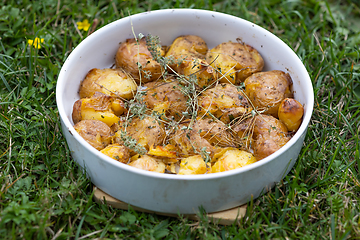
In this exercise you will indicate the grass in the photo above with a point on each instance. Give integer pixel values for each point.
(43, 193)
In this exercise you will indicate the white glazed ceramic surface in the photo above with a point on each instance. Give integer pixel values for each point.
(172, 193)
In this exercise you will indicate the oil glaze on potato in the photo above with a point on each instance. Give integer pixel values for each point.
(234, 61)
(266, 90)
(118, 152)
(99, 107)
(189, 55)
(225, 101)
(205, 134)
(232, 159)
(148, 163)
(270, 135)
(165, 97)
(192, 165)
(95, 132)
(147, 132)
(113, 82)
(290, 113)
(133, 52)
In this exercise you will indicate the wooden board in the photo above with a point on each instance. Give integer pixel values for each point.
(226, 217)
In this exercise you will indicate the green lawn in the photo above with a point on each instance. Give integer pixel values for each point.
(43, 193)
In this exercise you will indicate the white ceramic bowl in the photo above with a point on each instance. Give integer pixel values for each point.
(171, 193)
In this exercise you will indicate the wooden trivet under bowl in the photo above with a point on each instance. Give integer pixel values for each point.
(226, 217)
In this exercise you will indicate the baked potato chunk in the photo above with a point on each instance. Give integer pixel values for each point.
(266, 90)
(192, 165)
(270, 135)
(189, 60)
(135, 58)
(225, 101)
(148, 163)
(234, 61)
(118, 152)
(97, 133)
(99, 107)
(147, 132)
(290, 113)
(205, 135)
(112, 82)
(233, 158)
(188, 45)
(165, 97)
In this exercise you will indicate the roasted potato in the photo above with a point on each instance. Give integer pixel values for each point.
(187, 45)
(203, 135)
(99, 107)
(118, 152)
(97, 133)
(234, 61)
(192, 165)
(135, 58)
(290, 113)
(270, 135)
(112, 82)
(148, 163)
(266, 90)
(225, 101)
(233, 158)
(189, 60)
(147, 132)
(165, 97)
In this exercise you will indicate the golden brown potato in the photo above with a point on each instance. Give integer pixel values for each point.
(192, 165)
(113, 82)
(189, 54)
(165, 97)
(225, 101)
(99, 107)
(118, 152)
(203, 135)
(95, 132)
(148, 163)
(188, 45)
(266, 90)
(233, 158)
(270, 135)
(167, 152)
(132, 52)
(244, 130)
(291, 113)
(147, 132)
(234, 61)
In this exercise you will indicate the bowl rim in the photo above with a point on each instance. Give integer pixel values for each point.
(302, 129)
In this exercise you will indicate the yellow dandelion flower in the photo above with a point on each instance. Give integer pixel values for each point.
(36, 42)
(83, 25)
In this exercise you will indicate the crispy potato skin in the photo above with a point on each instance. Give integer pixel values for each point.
(95, 132)
(233, 158)
(148, 163)
(191, 139)
(99, 107)
(147, 132)
(266, 90)
(166, 93)
(132, 52)
(225, 101)
(190, 50)
(118, 152)
(192, 165)
(270, 135)
(112, 82)
(290, 113)
(235, 61)
(188, 45)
